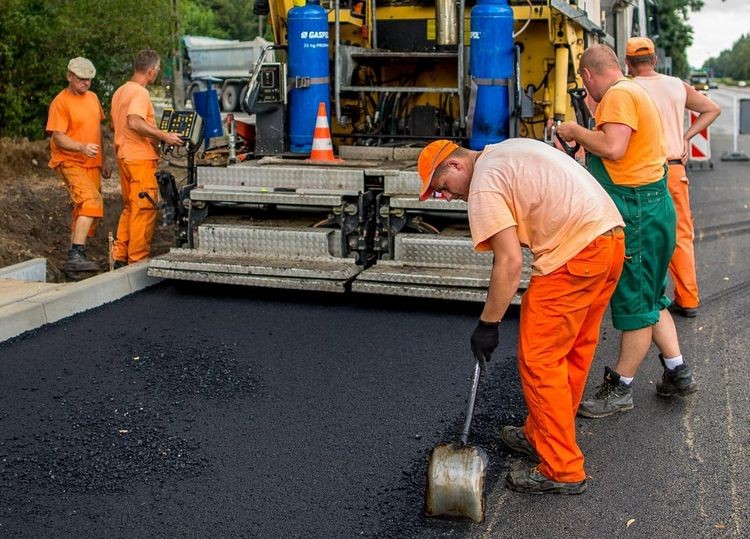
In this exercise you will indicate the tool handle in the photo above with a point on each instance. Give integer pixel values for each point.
(470, 402)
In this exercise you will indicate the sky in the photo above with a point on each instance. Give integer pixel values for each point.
(716, 27)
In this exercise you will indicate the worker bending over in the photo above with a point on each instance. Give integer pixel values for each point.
(524, 192)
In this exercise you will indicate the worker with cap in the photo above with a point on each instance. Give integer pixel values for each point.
(136, 139)
(74, 124)
(628, 157)
(672, 96)
(522, 192)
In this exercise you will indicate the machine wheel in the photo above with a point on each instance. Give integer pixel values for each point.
(230, 97)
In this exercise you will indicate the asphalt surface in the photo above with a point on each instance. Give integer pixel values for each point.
(195, 411)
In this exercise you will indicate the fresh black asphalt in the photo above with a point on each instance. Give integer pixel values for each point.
(213, 411)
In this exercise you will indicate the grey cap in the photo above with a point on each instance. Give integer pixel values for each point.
(82, 68)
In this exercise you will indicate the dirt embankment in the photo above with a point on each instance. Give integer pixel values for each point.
(35, 210)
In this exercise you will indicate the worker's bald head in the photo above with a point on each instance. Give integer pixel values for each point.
(599, 58)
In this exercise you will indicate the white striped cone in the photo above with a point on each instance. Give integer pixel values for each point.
(322, 147)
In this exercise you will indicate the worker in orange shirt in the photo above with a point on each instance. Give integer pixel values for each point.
(672, 96)
(524, 192)
(627, 155)
(136, 139)
(74, 124)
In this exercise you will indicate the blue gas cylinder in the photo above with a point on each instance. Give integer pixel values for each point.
(309, 66)
(491, 69)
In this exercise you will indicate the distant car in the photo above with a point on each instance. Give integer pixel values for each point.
(713, 85)
(741, 83)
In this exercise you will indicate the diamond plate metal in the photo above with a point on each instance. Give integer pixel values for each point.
(413, 203)
(439, 251)
(250, 280)
(270, 177)
(190, 261)
(287, 242)
(253, 195)
(406, 183)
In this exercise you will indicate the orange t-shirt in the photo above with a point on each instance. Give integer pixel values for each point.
(669, 95)
(80, 118)
(132, 98)
(643, 163)
(558, 207)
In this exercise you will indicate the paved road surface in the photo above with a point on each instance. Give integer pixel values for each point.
(200, 411)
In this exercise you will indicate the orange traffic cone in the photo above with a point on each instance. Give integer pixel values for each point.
(322, 147)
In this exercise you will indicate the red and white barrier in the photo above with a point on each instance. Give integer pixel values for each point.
(700, 144)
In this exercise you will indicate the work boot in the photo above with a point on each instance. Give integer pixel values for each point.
(515, 439)
(77, 261)
(532, 481)
(687, 312)
(611, 397)
(117, 264)
(677, 381)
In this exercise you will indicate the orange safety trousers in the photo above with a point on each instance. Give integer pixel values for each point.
(85, 188)
(138, 218)
(682, 265)
(561, 314)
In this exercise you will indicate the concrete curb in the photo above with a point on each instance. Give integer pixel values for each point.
(68, 299)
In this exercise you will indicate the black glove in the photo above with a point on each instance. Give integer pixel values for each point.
(484, 340)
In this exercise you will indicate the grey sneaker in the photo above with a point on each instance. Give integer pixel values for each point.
(77, 261)
(677, 381)
(515, 439)
(532, 481)
(611, 397)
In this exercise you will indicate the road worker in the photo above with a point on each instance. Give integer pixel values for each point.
(136, 139)
(628, 157)
(76, 155)
(522, 192)
(672, 96)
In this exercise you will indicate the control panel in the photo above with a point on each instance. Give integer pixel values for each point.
(186, 123)
(272, 83)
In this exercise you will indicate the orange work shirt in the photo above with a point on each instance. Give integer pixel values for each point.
(643, 163)
(80, 118)
(669, 94)
(558, 207)
(132, 98)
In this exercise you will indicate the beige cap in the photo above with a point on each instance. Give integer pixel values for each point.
(82, 68)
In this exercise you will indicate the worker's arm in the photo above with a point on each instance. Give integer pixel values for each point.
(89, 149)
(143, 128)
(504, 279)
(506, 273)
(707, 111)
(609, 142)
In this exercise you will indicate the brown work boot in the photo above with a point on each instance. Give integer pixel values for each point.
(515, 439)
(77, 261)
(532, 481)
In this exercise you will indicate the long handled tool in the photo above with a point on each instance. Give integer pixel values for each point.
(456, 471)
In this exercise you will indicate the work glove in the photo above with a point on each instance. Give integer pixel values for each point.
(484, 340)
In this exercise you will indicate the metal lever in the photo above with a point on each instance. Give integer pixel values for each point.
(470, 403)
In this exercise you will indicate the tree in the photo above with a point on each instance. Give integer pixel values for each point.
(675, 35)
(39, 37)
(734, 62)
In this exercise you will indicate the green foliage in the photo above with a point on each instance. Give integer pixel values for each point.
(226, 19)
(734, 62)
(675, 35)
(39, 37)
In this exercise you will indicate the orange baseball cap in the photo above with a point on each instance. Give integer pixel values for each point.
(639, 46)
(429, 159)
